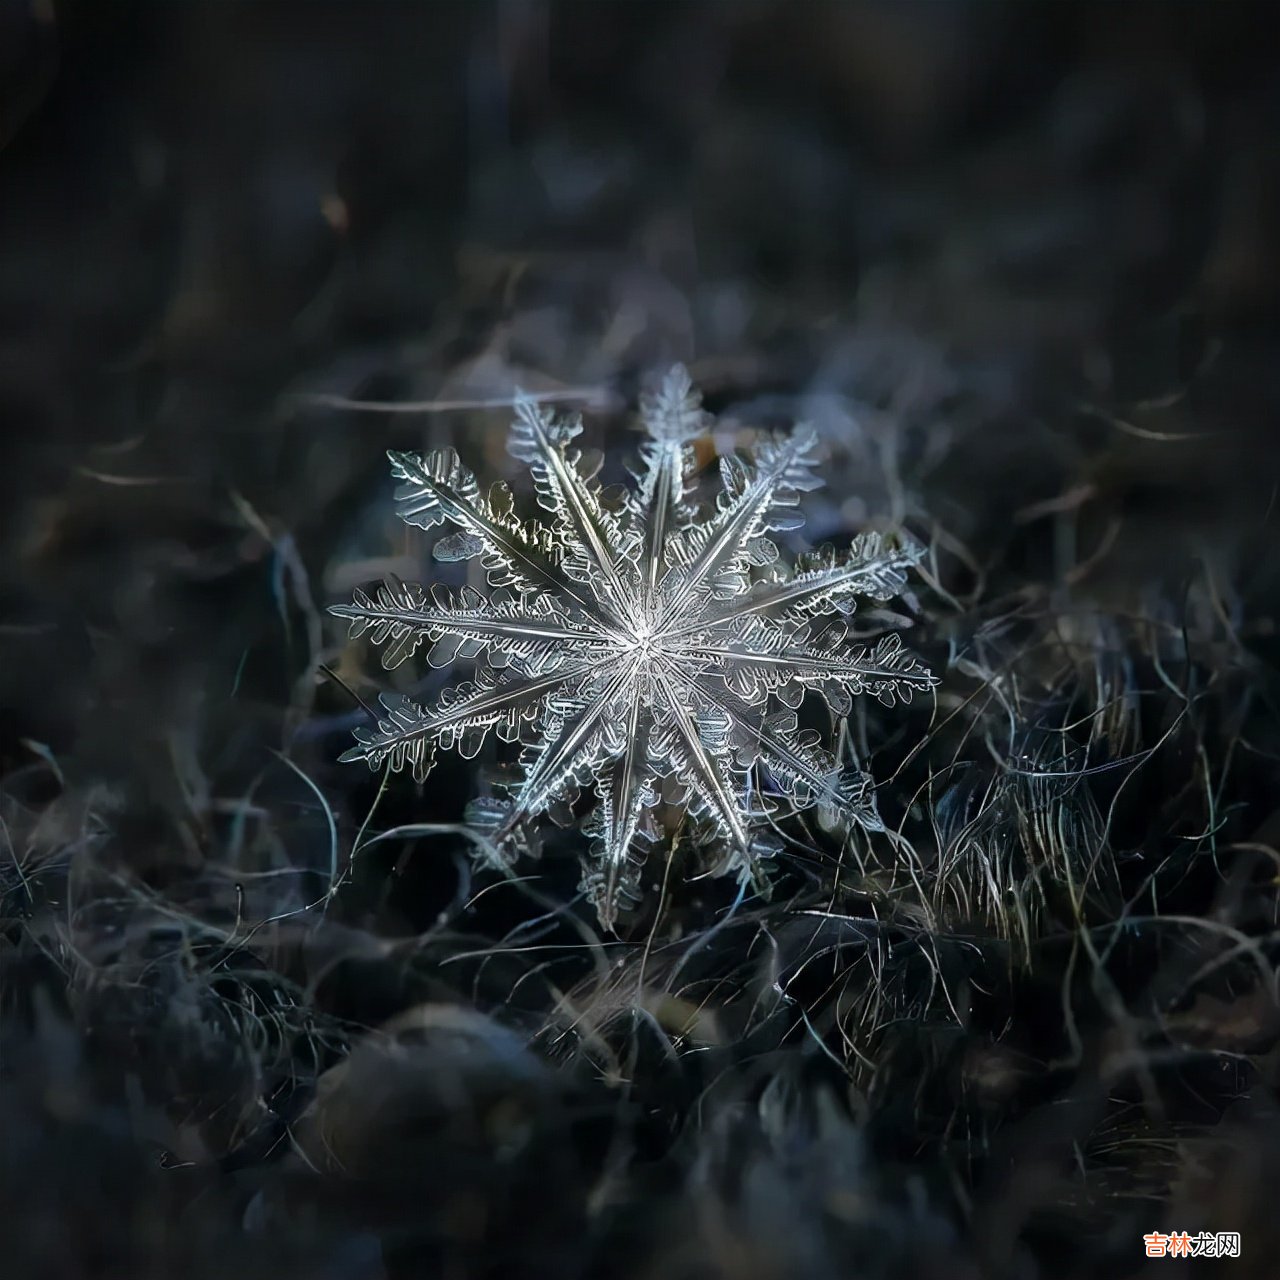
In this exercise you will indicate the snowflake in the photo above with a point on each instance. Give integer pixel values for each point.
(637, 644)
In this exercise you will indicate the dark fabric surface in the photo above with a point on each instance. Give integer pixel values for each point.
(1019, 264)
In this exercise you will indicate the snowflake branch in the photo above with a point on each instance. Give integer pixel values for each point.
(438, 488)
(712, 558)
(409, 730)
(540, 441)
(532, 631)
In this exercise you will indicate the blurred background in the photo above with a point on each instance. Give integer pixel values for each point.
(1018, 263)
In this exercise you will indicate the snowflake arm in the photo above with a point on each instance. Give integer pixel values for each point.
(715, 558)
(575, 744)
(673, 419)
(626, 781)
(591, 538)
(809, 773)
(438, 488)
(462, 718)
(874, 566)
(763, 659)
(701, 762)
(529, 630)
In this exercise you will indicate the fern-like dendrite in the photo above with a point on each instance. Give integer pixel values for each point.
(644, 648)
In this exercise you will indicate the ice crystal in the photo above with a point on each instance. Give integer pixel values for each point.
(640, 646)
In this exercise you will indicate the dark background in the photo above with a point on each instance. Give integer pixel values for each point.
(1017, 262)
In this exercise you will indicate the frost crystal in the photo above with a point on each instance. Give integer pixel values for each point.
(639, 646)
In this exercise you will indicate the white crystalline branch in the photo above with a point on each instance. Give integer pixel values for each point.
(641, 649)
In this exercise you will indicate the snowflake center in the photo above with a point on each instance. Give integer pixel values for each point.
(644, 641)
